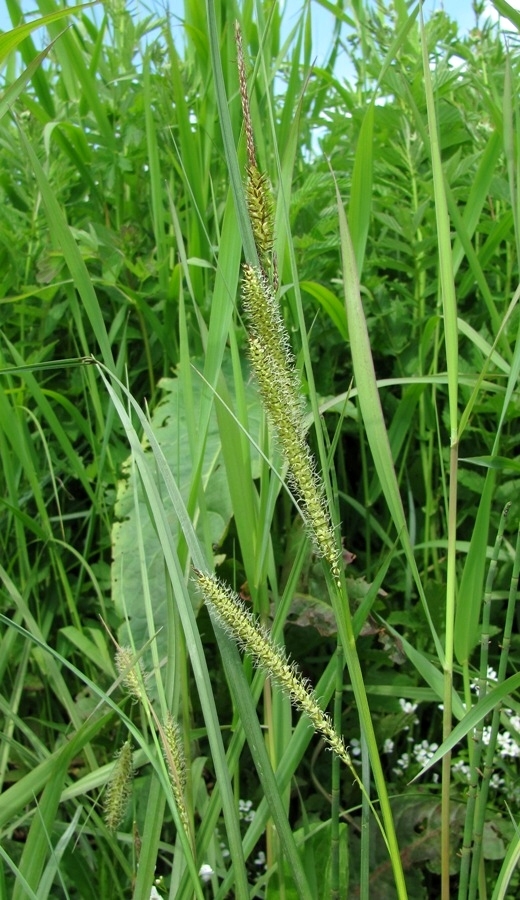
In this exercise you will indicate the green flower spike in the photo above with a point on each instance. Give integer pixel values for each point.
(260, 205)
(176, 762)
(270, 351)
(259, 196)
(132, 679)
(266, 323)
(176, 751)
(275, 371)
(231, 613)
(119, 787)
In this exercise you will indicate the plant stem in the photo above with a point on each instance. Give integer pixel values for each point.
(340, 603)
(482, 796)
(334, 813)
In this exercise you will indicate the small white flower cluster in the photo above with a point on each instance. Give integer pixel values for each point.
(491, 676)
(423, 752)
(462, 768)
(206, 873)
(419, 754)
(507, 746)
(260, 860)
(496, 781)
(402, 764)
(409, 708)
(246, 812)
(355, 747)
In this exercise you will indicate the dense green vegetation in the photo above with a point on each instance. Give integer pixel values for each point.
(138, 452)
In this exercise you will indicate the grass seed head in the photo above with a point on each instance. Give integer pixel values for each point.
(119, 787)
(230, 612)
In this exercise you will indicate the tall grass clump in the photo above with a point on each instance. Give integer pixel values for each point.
(258, 392)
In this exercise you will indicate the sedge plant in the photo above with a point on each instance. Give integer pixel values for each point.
(355, 377)
(275, 371)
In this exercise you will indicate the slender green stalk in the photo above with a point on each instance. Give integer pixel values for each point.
(489, 756)
(469, 847)
(335, 783)
(344, 619)
(364, 874)
(448, 671)
(449, 308)
(274, 370)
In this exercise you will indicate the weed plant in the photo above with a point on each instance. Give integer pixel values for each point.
(258, 403)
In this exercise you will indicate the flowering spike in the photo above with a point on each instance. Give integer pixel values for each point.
(275, 371)
(270, 352)
(260, 206)
(231, 613)
(131, 671)
(176, 762)
(119, 787)
(176, 757)
(246, 111)
(265, 320)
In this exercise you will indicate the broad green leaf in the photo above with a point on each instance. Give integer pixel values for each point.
(170, 427)
(361, 191)
(431, 674)
(329, 303)
(9, 40)
(505, 9)
(473, 718)
(371, 409)
(96, 652)
(501, 463)
(508, 870)
(14, 90)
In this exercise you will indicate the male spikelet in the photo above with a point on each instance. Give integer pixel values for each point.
(246, 112)
(270, 352)
(119, 787)
(259, 197)
(260, 205)
(231, 613)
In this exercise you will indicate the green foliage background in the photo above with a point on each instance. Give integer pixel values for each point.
(120, 239)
